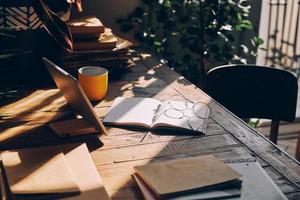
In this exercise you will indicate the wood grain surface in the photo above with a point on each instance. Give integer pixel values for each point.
(26, 124)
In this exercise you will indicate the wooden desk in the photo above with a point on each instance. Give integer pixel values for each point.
(115, 155)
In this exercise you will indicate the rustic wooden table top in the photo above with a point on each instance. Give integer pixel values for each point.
(24, 123)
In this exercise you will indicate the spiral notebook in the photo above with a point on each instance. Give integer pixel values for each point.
(256, 182)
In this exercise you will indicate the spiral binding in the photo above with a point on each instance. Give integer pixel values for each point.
(240, 160)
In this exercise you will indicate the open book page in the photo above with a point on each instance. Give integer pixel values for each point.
(186, 115)
(132, 111)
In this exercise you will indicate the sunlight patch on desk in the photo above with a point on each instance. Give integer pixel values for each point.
(41, 100)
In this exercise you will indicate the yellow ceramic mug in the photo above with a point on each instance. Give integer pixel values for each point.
(94, 82)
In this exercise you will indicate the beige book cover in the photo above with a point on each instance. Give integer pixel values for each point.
(182, 175)
(90, 182)
(107, 40)
(30, 172)
(88, 27)
(76, 160)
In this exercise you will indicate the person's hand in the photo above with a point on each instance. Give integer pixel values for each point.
(77, 4)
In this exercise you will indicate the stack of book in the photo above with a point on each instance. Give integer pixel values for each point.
(201, 177)
(53, 172)
(94, 44)
(205, 177)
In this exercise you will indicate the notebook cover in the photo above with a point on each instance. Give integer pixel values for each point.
(89, 27)
(209, 194)
(106, 41)
(90, 182)
(32, 172)
(179, 176)
(81, 164)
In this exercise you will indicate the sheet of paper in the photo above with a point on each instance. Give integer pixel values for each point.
(132, 111)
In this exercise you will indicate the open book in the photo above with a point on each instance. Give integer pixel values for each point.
(153, 114)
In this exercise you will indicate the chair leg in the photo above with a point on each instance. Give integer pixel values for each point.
(298, 148)
(274, 131)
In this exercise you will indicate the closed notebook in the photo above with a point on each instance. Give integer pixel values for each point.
(106, 41)
(30, 172)
(77, 157)
(181, 176)
(90, 182)
(89, 27)
(205, 194)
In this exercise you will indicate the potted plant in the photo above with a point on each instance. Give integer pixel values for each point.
(194, 35)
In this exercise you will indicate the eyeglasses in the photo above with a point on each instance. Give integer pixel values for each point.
(178, 107)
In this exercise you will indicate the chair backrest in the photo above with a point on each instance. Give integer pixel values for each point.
(254, 91)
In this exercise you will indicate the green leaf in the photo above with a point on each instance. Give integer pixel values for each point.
(167, 3)
(244, 24)
(257, 41)
(157, 43)
(254, 122)
(239, 16)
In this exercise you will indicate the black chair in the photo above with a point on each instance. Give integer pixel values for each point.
(252, 91)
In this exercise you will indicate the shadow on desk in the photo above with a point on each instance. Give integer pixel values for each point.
(157, 131)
